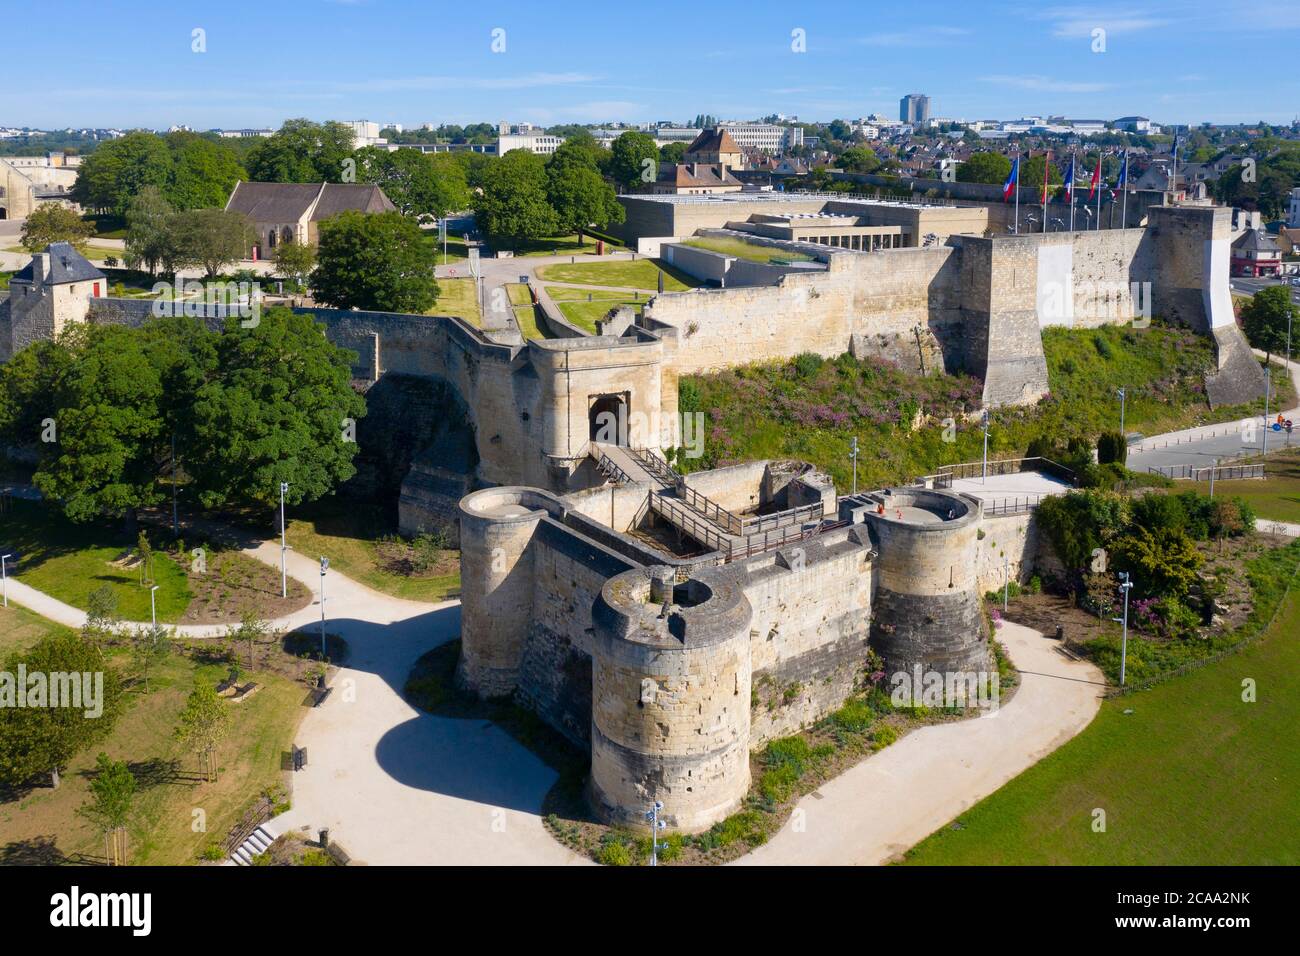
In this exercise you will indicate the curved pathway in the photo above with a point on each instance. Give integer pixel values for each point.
(874, 811)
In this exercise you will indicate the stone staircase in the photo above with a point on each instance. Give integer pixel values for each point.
(258, 842)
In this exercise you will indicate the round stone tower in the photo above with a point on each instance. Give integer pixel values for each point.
(926, 609)
(496, 566)
(670, 698)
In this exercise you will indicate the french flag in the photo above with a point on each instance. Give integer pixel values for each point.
(1013, 180)
(1096, 178)
(1069, 180)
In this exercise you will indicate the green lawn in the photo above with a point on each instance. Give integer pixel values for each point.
(554, 246)
(1193, 775)
(584, 314)
(456, 248)
(745, 250)
(1278, 495)
(350, 538)
(631, 274)
(168, 789)
(4, 279)
(521, 300)
(458, 297)
(91, 251)
(68, 561)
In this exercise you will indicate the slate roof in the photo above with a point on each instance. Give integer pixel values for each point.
(696, 174)
(66, 265)
(1253, 240)
(289, 202)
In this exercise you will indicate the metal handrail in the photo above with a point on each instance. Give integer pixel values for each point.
(779, 518)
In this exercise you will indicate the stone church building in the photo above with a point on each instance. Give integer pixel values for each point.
(285, 212)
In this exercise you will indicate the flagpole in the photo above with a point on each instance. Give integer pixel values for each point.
(1047, 168)
(1123, 217)
(1070, 192)
(1016, 186)
(1101, 185)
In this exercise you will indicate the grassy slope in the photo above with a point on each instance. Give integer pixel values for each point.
(262, 727)
(349, 540)
(1193, 776)
(775, 411)
(67, 561)
(1278, 495)
(457, 297)
(634, 274)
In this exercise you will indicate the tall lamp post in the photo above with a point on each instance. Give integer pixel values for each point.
(4, 576)
(1125, 586)
(324, 566)
(984, 465)
(153, 609)
(853, 453)
(284, 546)
(656, 825)
(1123, 396)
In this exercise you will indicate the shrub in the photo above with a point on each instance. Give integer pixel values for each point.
(808, 364)
(854, 717)
(1112, 447)
(884, 735)
(1163, 563)
(1179, 620)
(613, 853)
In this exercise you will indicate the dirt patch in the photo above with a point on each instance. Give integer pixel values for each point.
(231, 585)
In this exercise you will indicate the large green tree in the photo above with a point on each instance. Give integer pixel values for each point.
(377, 261)
(579, 194)
(281, 409)
(302, 152)
(204, 171)
(51, 222)
(42, 739)
(1268, 317)
(108, 430)
(634, 157)
(986, 167)
(149, 240)
(514, 206)
(421, 185)
(211, 238)
(118, 169)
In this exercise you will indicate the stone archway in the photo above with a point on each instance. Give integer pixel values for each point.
(4, 213)
(608, 418)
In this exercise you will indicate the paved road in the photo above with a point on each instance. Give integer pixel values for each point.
(876, 810)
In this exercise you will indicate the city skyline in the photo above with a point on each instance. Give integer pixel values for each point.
(518, 62)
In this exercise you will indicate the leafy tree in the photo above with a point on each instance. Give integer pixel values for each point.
(514, 206)
(302, 152)
(211, 238)
(985, 167)
(1031, 172)
(110, 433)
(295, 260)
(423, 186)
(204, 723)
(251, 629)
(109, 807)
(1111, 447)
(1266, 317)
(51, 222)
(38, 739)
(378, 261)
(578, 151)
(1163, 562)
(149, 240)
(859, 159)
(475, 166)
(203, 171)
(581, 197)
(632, 155)
(278, 411)
(29, 384)
(1080, 522)
(101, 609)
(674, 153)
(149, 648)
(118, 169)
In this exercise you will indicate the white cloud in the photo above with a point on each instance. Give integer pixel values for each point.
(933, 36)
(1079, 22)
(1044, 84)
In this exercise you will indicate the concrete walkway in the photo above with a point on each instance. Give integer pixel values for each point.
(873, 812)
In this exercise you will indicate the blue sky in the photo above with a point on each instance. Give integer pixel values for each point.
(124, 63)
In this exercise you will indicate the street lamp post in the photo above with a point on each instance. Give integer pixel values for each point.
(1268, 382)
(4, 576)
(984, 465)
(655, 826)
(284, 547)
(324, 566)
(1123, 396)
(1213, 468)
(153, 609)
(1123, 647)
(853, 453)
(1006, 580)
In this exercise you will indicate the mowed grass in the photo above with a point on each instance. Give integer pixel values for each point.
(93, 252)
(458, 297)
(168, 789)
(1277, 496)
(1193, 776)
(349, 538)
(630, 274)
(554, 246)
(521, 303)
(745, 250)
(68, 561)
